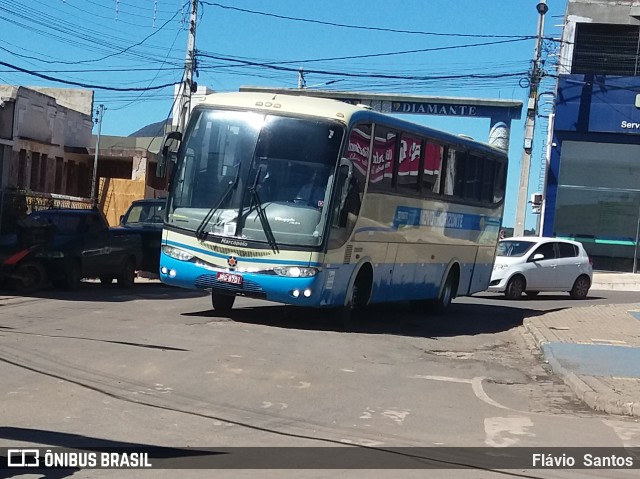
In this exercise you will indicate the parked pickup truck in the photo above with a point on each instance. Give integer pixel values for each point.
(146, 217)
(66, 245)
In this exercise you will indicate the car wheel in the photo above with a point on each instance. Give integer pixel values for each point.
(580, 288)
(72, 277)
(222, 303)
(515, 287)
(127, 275)
(532, 293)
(30, 277)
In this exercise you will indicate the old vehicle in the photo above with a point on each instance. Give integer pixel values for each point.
(315, 202)
(531, 264)
(146, 217)
(66, 245)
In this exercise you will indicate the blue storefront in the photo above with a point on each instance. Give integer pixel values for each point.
(593, 180)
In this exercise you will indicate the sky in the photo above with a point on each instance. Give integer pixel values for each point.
(131, 52)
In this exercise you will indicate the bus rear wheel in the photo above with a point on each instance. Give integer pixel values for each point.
(222, 303)
(448, 292)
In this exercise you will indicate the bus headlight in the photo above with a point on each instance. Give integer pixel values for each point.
(295, 271)
(177, 253)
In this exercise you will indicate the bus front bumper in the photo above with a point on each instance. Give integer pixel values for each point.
(271, 287)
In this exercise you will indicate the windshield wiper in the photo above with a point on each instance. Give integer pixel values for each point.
(200, 230)
(264, 221)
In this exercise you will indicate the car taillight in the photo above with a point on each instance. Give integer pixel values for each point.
(590, 261)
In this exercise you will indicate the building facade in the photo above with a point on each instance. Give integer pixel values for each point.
(592, 191)
(43, 143)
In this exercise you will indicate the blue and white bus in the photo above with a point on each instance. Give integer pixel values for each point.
(320, 203)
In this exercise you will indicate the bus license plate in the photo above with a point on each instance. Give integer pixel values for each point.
(229, 278)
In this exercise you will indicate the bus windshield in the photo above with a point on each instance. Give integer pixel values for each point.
(255, 177)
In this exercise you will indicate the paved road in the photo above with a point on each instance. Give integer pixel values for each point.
(155, 366)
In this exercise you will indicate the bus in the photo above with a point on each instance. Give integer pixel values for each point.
(320, 203)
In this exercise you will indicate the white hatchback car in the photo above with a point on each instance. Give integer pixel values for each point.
(531, 264)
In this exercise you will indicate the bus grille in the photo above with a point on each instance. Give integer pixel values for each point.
(247, 288)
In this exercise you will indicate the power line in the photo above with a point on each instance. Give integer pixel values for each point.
(71, 33)
(365, 75)
(151, 81)
(406, 52)
(83, 85)
(361, 27)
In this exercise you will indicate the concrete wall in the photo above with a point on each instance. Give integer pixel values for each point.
(48, 142)
(71, 98)
(8, 95)
(619, 12)
(35, 116)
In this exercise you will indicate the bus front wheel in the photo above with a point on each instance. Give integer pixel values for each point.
(358, 298)
(222, 303)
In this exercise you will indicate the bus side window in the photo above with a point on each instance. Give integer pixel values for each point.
(500, 182)
(432, 167)
(453, 172)
(409, 159)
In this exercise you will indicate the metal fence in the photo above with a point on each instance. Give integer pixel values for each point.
(16, 204)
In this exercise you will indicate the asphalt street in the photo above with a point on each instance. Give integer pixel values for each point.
(155, 366)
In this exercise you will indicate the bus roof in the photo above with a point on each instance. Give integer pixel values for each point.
(343, 112)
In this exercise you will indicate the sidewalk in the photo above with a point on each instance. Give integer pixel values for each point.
(596, 350)
(603, 280)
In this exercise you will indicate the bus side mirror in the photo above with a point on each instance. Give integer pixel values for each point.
(345, 173)
(346, 166)
(168, 151)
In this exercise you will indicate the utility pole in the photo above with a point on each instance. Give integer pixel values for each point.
(188, 86)
(94, 179)
(302, 83)
(532, 109)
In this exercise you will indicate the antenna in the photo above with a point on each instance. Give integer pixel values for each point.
(155, 12)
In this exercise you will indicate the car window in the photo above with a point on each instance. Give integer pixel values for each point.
(513, 248)
(546, 249)
(63, 224)
(567, 250)
(146, 213)
(156, 213)
(93, 225)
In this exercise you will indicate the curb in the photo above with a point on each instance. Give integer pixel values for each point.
(598, 400)
(615, 286)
